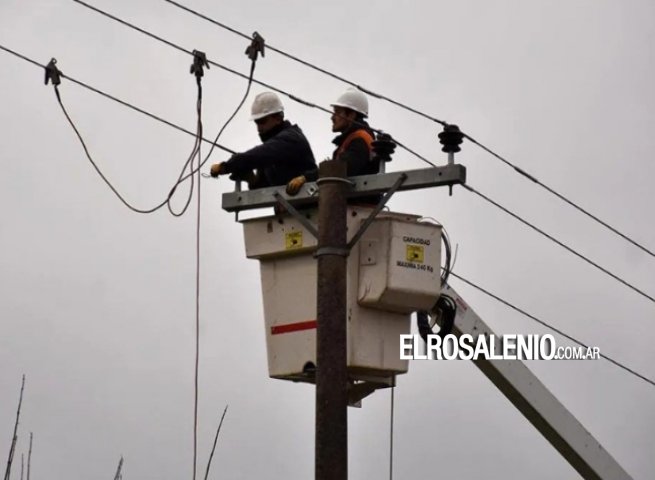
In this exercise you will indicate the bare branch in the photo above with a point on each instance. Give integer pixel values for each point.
(15, 436)
(119, 475)
(218, 430)
(29, 458)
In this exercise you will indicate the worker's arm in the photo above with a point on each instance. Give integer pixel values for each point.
(261, 156)
(358, 160)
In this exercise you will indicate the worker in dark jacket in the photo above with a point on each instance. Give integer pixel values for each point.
(284, 154)
(354, 142)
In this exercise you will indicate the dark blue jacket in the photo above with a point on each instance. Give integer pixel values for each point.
(284, 154)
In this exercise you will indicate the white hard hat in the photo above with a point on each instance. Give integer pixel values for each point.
(354, 100)
(266, 103)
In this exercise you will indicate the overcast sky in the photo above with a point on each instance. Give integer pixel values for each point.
(97, 302)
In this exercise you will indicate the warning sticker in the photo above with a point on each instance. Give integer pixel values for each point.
(415, 253)
(293, 240)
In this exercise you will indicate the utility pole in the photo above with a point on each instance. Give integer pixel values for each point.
(331, 457)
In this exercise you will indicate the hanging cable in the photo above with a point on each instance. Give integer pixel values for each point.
(445, 308)
(181, 178)
(393, 390)
(256, 47)
(239, 74)
(231, 151)
(550, 327)
(197, 69)
(564, 246)
(54, 75)
(424, 115)
(243, 100)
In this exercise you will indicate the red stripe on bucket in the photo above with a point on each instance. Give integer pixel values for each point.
(293, 327)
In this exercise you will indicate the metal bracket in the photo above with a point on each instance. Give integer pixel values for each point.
(340, 252)
(296, 214)
(255, 47)
(362, 186)
(199, 63)
(350, 183)
(383, 201)
(52, 73)
(357, 391)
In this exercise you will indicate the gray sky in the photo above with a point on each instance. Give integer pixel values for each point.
(97, 303)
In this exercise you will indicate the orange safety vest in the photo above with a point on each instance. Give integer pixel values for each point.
(361, 133)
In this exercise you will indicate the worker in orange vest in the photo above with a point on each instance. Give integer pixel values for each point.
(354, 142)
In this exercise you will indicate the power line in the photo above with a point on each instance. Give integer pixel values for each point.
(109, 184)
(308, 64)
(231, 151)
(421, 114)
(550, 327)
(563, 245)
(122, 102)
(562, 197)
(197, 332)
(235, 72)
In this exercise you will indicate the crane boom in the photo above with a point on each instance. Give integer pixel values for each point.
(538, 405)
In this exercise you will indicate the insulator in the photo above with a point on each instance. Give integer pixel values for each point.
(451, 138)
(383, 147)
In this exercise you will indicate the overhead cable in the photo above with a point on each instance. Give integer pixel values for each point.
(466, 186)
(121, 102)
(307, 64)
(550, 327)
(237, 73)
(189, 160)
(561, 197)
(421, 114)
(558, 242)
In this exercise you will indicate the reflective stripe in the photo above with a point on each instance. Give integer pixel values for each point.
(293, 327)
(361, 133)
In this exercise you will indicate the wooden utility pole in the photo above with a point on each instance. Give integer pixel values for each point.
(331, 373)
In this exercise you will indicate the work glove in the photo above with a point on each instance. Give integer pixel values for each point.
(217, 169)
(295, 184)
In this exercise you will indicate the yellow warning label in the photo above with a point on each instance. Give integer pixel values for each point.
(415, 254)
(293, 240)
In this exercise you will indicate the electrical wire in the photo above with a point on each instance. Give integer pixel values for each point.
(393, 391)
(237, 73)
(309, 64)
(118, 100)
(229, 120)
(421, 114)
(97, 169)
(561, 244)
(445, 238)
(189, 161)
(132, 107)
(196, 151)
(561, 197)
(197, 358)
(550, 327)
(82, 84)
